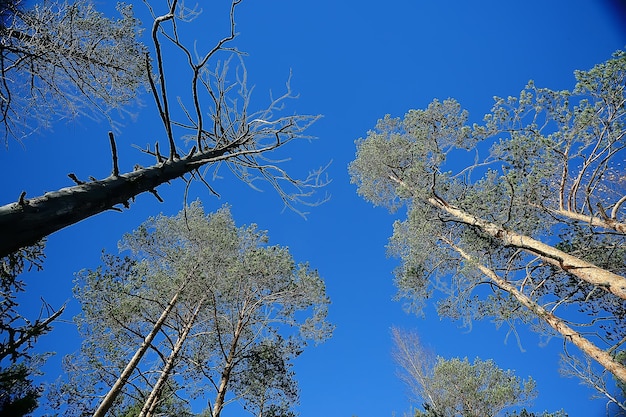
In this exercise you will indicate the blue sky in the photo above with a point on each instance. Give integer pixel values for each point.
(353, 62)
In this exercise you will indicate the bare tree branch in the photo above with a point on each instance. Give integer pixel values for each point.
(239, 138)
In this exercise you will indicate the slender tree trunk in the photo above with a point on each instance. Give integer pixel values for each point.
(586, 271)
(603, 222)
(153, 398)
(228, 368)
(115, 390)
(417, 362)
(602, 357)
(28, 220)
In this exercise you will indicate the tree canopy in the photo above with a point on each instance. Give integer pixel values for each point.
(455, 387)
(61, 59)
(519, 218)
(530, 229)
(18, 334)
(198, 303)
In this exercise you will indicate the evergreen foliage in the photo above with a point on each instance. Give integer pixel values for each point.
(531, 231)
(457, 387)
(236, 311)
(18, 394)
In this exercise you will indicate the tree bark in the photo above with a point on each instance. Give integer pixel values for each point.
(602, 357)
(27, 221)
(115, 390)
(615, 284)
(152, 400)
(608, 223)
(228, 367)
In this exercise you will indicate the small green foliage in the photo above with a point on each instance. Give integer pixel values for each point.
(481, 389)
(455, 387)
(410, 150)
(526, 413)
(18, 395)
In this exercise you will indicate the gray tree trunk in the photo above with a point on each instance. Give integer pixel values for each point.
(27, 221)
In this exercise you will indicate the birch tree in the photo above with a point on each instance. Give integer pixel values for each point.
(520, 218)
(208, 126)
(200, 304)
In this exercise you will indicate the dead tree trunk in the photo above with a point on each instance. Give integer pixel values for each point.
(27, 221)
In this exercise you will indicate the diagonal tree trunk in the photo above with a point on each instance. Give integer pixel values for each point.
(27, 221)
(115, 390)
(605, 222)
(615, 284)
(569, 334)
(152, 400)
(226, 372)
(234, 133)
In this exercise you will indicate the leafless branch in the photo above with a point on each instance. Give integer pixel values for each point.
(56, 62)
(249, 135)
(572, 366)
(116, 170)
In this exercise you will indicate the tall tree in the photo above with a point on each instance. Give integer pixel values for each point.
(60, 59)
(526, 413)
(218, 308)
(18, 334)
(532, 232)
(212, 127)
(455, 387)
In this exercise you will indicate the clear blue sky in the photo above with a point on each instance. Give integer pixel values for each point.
(352, 62)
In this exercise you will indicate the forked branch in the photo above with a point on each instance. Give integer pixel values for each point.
(239, 137)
